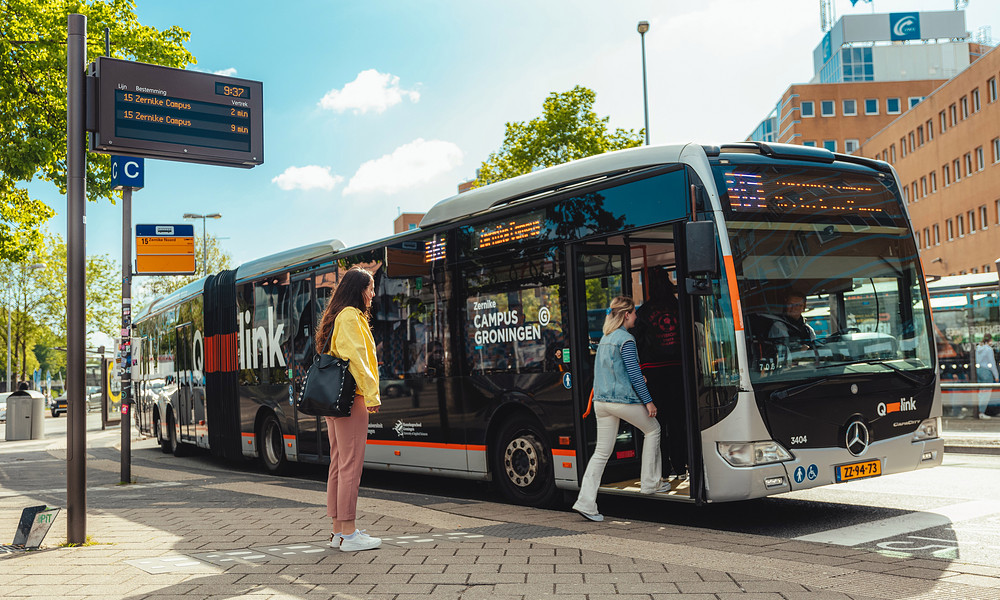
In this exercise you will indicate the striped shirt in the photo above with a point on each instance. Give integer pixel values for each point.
(631, 359)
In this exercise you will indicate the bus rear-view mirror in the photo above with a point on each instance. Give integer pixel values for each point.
(701, 257)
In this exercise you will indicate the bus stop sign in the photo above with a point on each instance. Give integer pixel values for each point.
(127, 171)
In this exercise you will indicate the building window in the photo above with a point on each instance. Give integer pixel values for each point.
(930, 129)
(871, 106)
(984, 218)
(971, 215)
(996, 149)
(976, 106)
(968, 164)
(953, 112)
(892, 153)
(902, 147)
(850, 108)
(927, 237)
(906, 194)
(950, 226)
(807, 108)
(991, 87)
(933, 182)
(892, 106)
(980, 159)
(827, 108)
(913, 186)
(997, 222)
(851, 146)
(830, 145)
(964, 101)
(946, 175)
(810, 143)
(957, 170)
(923, 186)
(920, 135)
(915, 100)
(944, 123)
(937, 235)
(913, 145)
(857, 65)
(961, 226)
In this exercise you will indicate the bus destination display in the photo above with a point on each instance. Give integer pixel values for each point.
(147, 110)
(807, 192)
(510, 230)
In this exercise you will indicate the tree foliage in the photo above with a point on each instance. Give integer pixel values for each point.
(568, 129)
(33, 101)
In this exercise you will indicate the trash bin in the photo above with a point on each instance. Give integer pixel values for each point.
(25, 416)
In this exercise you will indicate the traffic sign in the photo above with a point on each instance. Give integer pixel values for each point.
(127, 171)
(157, 112)
(164, 250)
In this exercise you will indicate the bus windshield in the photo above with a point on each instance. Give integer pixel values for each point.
(827, 272)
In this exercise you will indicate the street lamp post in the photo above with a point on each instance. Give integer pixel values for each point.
(204, 238)
(643, 28)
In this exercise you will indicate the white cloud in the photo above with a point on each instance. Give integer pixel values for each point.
(409, 165)
(230, 72)
(307, 178)
(370, 90)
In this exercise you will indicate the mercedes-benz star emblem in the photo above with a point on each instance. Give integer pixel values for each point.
(857, 438)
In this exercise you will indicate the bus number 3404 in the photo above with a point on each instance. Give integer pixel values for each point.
(798, 439)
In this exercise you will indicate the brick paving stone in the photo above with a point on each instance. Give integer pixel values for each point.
(977, 580)
(383, 578)
(580, 568)
(555, 578)
(921, 573)
(751, 596)
(585, 588)
(647, 588)
(612, 578)
(769, 586)
(439, 578)
(672, 576)
(715, 587)
(520, 568)
(817, 595)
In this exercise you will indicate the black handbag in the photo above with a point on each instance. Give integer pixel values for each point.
(329, 387)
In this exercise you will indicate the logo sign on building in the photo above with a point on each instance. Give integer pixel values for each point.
(904, 26)
(827, 48)
(127, 171)
(164, 250)
(157, 112)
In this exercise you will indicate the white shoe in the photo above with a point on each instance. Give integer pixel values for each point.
(597, 517)
(359, 540)
(335, 540)
(984, 416)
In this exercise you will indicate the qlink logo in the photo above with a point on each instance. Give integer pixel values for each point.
(904, 26)
(260, 346)
(904, 404)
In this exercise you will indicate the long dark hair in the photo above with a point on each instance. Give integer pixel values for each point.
(350, 292)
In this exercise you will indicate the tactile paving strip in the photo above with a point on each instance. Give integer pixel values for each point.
(429, 538)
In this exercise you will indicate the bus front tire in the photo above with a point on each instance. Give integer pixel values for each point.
(161, 436)
(522, 464)
(272, 446)
(177, 448)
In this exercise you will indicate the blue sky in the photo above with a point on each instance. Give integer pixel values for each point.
(376, 107)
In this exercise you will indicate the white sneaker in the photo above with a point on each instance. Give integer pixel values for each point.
(359, 540)
(984, 416)
(597, 517)
(335, 540)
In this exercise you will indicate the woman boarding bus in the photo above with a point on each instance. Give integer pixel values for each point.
(484, 316)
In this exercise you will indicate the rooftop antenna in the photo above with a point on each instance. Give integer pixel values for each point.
(826, 15)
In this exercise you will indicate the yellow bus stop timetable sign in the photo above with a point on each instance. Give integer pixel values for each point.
(164, 250)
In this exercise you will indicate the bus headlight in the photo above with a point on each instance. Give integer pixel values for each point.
(928, 429)
(751, 454)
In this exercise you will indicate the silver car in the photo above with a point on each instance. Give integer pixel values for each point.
(3, 407)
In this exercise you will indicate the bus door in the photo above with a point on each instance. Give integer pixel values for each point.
(183, 370)
(597, 274)
(303, 350)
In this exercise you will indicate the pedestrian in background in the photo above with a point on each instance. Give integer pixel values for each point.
(348, 313)
(986, 372)
(620, 393)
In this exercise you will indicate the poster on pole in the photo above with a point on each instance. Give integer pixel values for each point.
(164, 250)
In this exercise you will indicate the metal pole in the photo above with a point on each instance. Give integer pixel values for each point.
(125, 346)
(76, 323)
(8, 343)
(645, 103)
(204, 248)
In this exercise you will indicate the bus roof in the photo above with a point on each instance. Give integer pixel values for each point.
(955, 282)
(283, 261)
(173, 298)
(562, 176)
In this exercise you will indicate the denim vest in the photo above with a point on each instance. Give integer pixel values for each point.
(611, 381)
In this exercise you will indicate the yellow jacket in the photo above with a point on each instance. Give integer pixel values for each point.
(352, 340)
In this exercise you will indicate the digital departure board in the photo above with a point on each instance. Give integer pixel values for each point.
(157, 112)
(510, 230)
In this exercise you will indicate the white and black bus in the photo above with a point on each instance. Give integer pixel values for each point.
(486, 319)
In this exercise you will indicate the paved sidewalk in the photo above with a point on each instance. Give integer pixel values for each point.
(180, 534)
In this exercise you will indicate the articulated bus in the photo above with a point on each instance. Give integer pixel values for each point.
(487, 318)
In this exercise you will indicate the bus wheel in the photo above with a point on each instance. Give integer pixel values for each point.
(522, 464)
(176, 446)
(272, 446)
(161, 437)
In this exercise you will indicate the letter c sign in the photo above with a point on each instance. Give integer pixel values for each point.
(126, 171)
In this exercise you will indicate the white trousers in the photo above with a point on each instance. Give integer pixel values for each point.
(609, 416)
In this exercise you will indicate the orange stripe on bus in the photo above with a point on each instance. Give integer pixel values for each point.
(734, 292)
(558, 452)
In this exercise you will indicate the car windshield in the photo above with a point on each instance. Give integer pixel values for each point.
(827, 272)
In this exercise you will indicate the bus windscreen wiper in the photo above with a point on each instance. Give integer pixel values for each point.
(880, 362)
(792, 391)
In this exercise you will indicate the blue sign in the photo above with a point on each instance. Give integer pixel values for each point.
(827, 48)
(127, 171)
(904, 26)
(812, 472)
(186, 230)
(800, 474)
(567, 380)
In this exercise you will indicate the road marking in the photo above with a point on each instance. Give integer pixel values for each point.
(864, 533)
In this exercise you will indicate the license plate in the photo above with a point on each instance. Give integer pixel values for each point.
(869, 468)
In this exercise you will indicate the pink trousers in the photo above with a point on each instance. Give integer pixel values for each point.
(347, 457)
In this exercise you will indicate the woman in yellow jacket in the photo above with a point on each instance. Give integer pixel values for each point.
(348, 313)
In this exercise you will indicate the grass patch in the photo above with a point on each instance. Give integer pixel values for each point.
(89, 542)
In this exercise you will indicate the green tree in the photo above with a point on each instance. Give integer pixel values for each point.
(567, 130)
(146, 289)
(33, 101)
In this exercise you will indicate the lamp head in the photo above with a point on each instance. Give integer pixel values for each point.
(643, 27)
(191, 216)
(213, 216)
